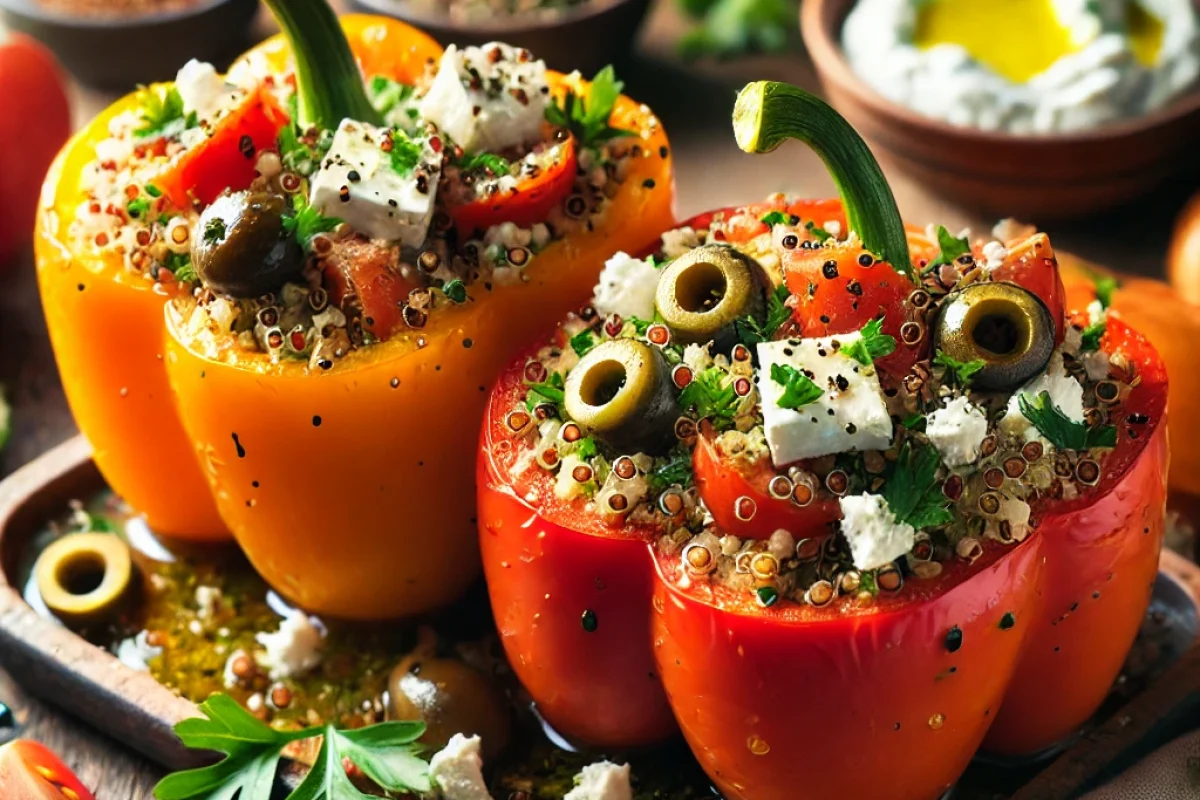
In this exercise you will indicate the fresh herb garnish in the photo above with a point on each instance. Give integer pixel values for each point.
(777, 218)
(732, 27)
(913, 421)
(153, 190)
(798, 389)
(710, 397)
(405, 154)
(386, 753)
(161, 113)
(820, 234)
(873, 344)
(963, 371)
(952, 248)
(585, 448)
(582, 342)
(386, 94)
(547, 392)
(214, 231)
(588, 117)
(676, 469)
(180, 265)
(305, 222)
(1104, 286)
(913, 492)
(456, 291)
(1092, 334)
(640, 326)
(137, 207)
(496, 165)
(751, 332)
(294, 153)
(1059, 429)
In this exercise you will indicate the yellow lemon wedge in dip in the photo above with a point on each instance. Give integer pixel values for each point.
(1145, 34)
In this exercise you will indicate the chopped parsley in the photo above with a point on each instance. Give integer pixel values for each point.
(675, 469)
(153, 190)
(456, 290)
(496, 165)
(640, 326)
(952, 249)
(305, 222)
(913, 421)
(820, 234)
(387, 94)
(710, 397)
(180, 265)
(798, 389)
(137, 207)
(778, 218)
(963, 371)
(750, 331)
(1059, 429)
(405, 153)
(161, 114)
(547, 392)
(214, 231)
(585, 448)
(295, 154)
(1092, 334)
(1104, 286)
(588, 117)
(583, 341)
(913, 492)
(873, 345)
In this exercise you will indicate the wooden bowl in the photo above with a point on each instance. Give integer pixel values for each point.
(585, 37)
(1031, 177)
(119, 52)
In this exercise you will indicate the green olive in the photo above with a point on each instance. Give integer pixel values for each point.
(621, 393)
(241, 246)
(1006, 327)
(449, 697)
(702, 293)
(85, 577)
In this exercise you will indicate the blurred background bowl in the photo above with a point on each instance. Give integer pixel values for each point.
(117, 52)
(585, 37)
(1037, 177)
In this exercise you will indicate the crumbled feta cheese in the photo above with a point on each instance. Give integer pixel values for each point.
(1096, 312)
(697, 357)
(876, 538)
(488, 98)
(457, 770)
(626, 287)
(358, 183)
(603, 780)
(202, 90)
(208, 601)
(850, 415)
(957, 431)
(1065, 392)
(294, 649)
(994, 255)
(136, 652)
(832, 227)
(679, 241)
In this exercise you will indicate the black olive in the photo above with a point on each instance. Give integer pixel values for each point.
(449, 697)
(241, 247)
(704, 292)
(1006, 327)
(621, 393)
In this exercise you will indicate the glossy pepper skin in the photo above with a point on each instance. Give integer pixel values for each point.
(106, 323)
(344, 488)
(796, 702)
(31, 771)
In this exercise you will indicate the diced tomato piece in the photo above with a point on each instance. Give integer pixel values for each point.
(531, 200)
(371, 273)
(227, 159)
(30, 771)
(1031, 264)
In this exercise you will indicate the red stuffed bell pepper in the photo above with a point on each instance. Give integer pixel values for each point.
(853, 496)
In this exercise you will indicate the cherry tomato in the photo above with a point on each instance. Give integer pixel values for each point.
(30, 771)
(533, 197)
(35, 123)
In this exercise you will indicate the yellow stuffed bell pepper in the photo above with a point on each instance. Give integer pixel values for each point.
(337, 416)
(103, 290)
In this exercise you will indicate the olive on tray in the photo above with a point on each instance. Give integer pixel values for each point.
(84, 578)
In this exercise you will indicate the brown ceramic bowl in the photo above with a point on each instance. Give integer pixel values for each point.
(119, 52)
(1034, 178)
(585, 37)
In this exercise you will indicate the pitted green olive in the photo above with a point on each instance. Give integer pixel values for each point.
(621, 393)
(84, 578)
(241, 246)
(1002, 325)
(703, 292)
(449, 697)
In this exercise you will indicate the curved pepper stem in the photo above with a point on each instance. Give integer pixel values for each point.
(767, 113)
(328, 81)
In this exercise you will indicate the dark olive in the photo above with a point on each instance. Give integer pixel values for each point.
(702, 293)
(621, 393)
(1006, 327)
(84, 578)
(450, 697)
(241, 248)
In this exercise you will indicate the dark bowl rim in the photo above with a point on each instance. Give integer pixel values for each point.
(826, 52)
(402, 9)
(32, 10)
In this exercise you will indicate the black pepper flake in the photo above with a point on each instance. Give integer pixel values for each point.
(830, 270)
(1095, 595)
(353, 176)
(841, 382)
(649, 183)
(316, 420)
(866, 260)
(467, 343)
(1007, 621)
(954, 639)
(790, 241)
(663, 152)
(241, 451)
(255, 484)
(246, 146)
(589, 621)
(896, 727)
(1138, 419)
(855, 288)
(344, 194)
(80, 287)
(824, 319)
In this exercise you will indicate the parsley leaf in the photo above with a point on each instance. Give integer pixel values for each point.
(777, 218)
(820, 234)
(874, 344)
(386, 94)
(1104, 286)
(1059, 429)
(586, 448)
(456, 290)
(497, 165)
(750, 331)
(305, 222)
(161, 114)
(963, 371)
(913, 421)
(405, 153)
(137, 207)
(386, 754)
(588, 117)
(1092, 335)
(180, 265)
(582, 342)
(549, 391)
(710, 398)
(153, 190)
(676, 469)
(295, 154)
(913, 492)
(798, 389)
(214, 231)
(951, 249)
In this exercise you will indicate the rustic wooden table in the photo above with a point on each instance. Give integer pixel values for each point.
(694, 103)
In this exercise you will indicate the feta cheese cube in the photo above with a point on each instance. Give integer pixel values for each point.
(603, 780)
(957, 431)
(457, 770)
(358, 183)
(850, 415)
(202, 90)
(627, 286)
(488, 98)
(292, 650)
(875, 536)
(1065, 392)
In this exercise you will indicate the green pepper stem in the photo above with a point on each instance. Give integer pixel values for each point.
(767, 113)
(328, 81)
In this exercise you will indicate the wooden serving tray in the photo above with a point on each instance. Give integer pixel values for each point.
(61, 667)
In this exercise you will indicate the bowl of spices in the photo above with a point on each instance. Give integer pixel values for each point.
(1044, 109)
(568, 34)
(117, 44)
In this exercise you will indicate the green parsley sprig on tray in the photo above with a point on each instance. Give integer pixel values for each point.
(547, 392)
(496, 165)
(963, 371)
(386, 753)
(1059, 429)
(305, 222)
(588, 117)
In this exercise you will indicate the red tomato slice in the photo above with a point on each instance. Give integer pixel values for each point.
(531, 200)
(370, 273)
(30, 771)
(1033, 266)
